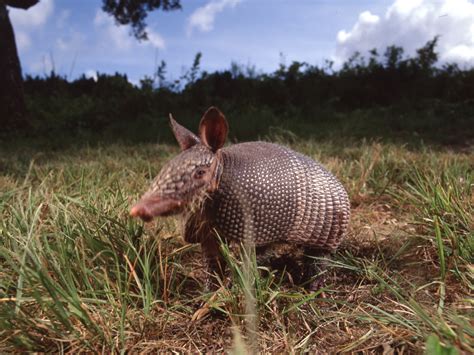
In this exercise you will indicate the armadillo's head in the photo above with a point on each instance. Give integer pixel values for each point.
(188, 177)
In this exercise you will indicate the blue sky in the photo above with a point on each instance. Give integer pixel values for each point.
(79, 38)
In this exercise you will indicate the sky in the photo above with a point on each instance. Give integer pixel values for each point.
(76, 37)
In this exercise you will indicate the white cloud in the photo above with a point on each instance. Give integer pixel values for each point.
(134, 82)
(203, 17)
(33, 17)
(27, 21)
(117, 34)
(410, 24)
(120, 36)
(91, 74)
(155, 39)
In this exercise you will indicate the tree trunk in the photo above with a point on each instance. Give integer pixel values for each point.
(13, 113)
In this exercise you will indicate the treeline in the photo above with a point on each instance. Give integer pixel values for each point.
(301, 93)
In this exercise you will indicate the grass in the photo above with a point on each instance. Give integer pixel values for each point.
(77, 274)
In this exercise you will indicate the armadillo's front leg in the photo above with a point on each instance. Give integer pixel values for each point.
(195, 231)
(214, 263)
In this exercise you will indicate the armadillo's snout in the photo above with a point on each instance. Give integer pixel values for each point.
(140, 210)
(147, 208)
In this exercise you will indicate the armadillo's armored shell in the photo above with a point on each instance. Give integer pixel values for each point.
(269, 193)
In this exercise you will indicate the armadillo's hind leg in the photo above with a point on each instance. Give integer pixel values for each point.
(282, 257)
(214, 264)
(315, 269)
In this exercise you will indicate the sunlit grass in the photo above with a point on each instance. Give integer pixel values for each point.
(76, 273)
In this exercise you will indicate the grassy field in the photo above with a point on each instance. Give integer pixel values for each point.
(77, 273)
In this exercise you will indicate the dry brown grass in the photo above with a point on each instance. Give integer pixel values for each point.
(78, 274)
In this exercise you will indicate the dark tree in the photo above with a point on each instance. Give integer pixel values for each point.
(13, 112)
(12, 100)
(134, 12)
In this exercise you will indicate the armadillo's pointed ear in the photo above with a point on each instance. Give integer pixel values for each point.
(213, 128)
(186, 139)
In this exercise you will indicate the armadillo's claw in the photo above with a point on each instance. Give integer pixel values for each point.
(317, 283)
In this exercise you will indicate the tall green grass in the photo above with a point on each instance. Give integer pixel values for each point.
(77, 273)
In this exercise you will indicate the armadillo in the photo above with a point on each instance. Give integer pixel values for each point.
(262, 192)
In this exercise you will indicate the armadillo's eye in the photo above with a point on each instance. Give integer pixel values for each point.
(199, 173)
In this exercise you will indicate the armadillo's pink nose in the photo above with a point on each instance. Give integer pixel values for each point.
(150, 207)
(141, 210)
